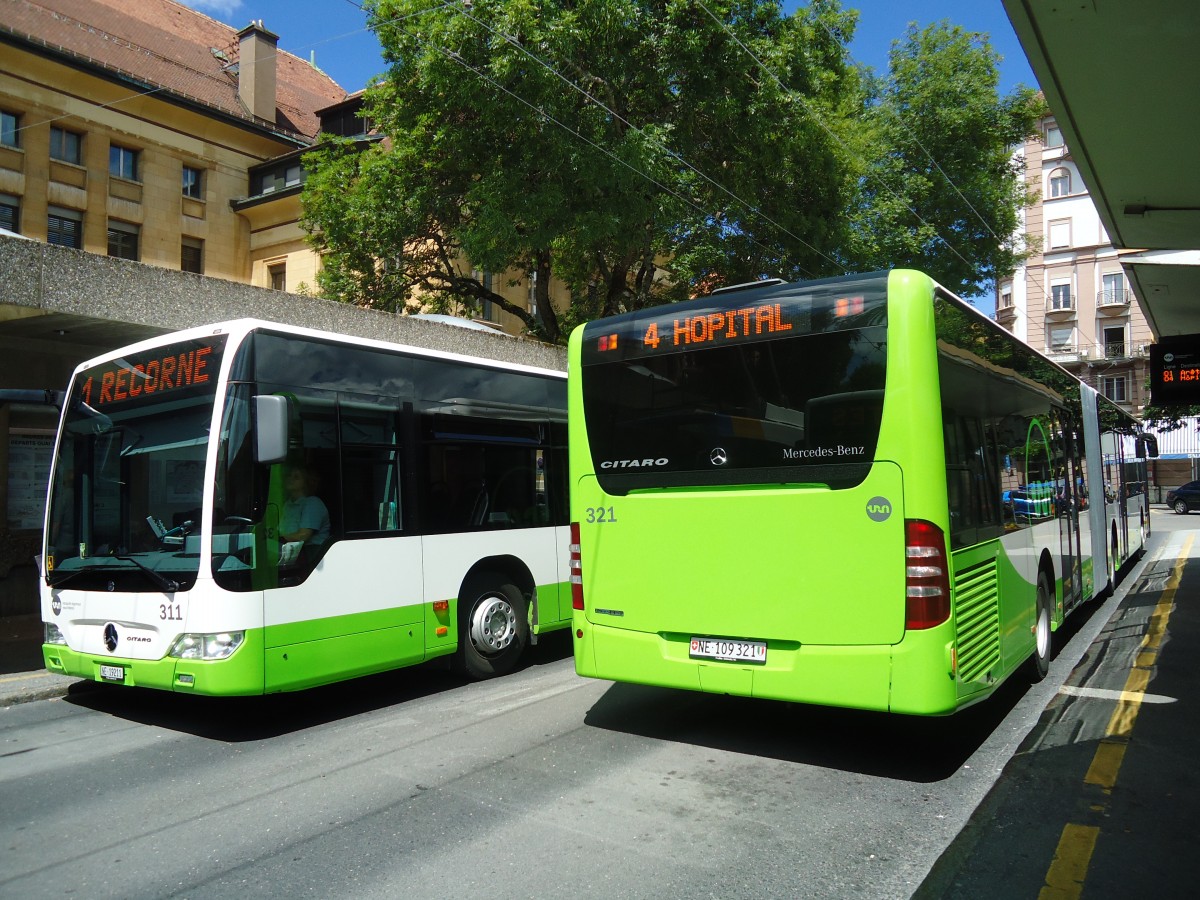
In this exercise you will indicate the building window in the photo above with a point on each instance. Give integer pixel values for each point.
(1054, 136)
(1114, 388)
(1114, 342)
(10, 129)
(1006, 298)
(1060, 183)
(1061, 339)
(10, 213)
(1113, 290)
(123, 239)
(64, 228)
(193, 183)
(123, 163)
(1060, 234)
(279, 178)
(277, 276)
(66, 146)
(1060, 296)
(191, 255)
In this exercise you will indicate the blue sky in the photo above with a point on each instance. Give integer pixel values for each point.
(335, 30)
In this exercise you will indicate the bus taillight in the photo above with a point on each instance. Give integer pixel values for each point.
(576, 569)
(927, 575)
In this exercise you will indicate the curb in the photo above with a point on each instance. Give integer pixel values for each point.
(27, 687)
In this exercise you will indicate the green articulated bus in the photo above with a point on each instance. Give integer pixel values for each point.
(858, 492)
(249, 507)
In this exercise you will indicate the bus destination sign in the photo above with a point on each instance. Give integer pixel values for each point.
(702, 326)
(151, 375)
(1175, 371)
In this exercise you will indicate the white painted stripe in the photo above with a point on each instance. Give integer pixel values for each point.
(1108, 694)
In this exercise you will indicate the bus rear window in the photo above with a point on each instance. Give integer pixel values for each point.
(802, 408)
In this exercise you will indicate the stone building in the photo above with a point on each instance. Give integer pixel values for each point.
(1072, 299)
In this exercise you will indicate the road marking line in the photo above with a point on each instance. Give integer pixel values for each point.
(1071, 860)
(1112, 694)
(1106, 764)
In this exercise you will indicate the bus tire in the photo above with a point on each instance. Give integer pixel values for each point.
(1115, 555)
(1042, 635)
(493, 626)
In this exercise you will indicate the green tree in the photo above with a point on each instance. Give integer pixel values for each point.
(631, 148)
(941, 190)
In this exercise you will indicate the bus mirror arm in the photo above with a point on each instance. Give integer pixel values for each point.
(270, 428)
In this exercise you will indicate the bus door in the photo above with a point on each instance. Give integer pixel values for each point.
(1069, 497)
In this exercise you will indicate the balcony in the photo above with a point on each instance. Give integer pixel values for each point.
(1114, 351)
(1060, 312)
(1113, 303)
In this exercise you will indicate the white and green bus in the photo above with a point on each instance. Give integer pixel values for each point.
(857, 492)
(184, 550)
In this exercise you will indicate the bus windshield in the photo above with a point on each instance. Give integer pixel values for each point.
(126, 498)
(780, 389)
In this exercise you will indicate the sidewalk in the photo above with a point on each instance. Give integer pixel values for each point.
(1101, 799)
(23, 676)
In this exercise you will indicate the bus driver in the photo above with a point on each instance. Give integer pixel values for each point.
(305, 519)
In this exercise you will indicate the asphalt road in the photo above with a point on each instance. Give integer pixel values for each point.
(540, 784)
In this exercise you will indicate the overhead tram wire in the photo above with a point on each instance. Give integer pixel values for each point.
(821, 123)
(674, 155)
(917, 141)
(455, 56)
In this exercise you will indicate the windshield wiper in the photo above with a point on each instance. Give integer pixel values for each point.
(167, 584)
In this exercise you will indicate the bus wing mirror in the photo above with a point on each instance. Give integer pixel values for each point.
(1147, 446)
(270, 428)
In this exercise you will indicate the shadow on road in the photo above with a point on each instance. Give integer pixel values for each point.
(906, 748)
(242, 719)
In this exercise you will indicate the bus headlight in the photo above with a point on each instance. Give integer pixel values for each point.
(207, 646)
(53, 634)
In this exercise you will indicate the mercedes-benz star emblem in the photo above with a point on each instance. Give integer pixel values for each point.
(718, 457)
(110, 637)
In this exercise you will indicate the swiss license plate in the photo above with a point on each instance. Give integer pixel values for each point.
(112, 673)
(730, 650)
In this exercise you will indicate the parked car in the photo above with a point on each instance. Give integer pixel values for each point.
(1184, 499)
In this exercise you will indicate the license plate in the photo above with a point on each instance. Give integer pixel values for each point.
(731, 651)
(112, 673)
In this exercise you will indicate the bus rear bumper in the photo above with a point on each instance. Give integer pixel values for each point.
(911, 677)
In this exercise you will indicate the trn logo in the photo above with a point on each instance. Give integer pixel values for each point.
(879, 509)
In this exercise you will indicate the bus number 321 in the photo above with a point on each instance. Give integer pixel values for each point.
(598, 515)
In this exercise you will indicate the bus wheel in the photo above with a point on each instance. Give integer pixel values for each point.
(493, 626)
(1041, 629)
(1116, 562)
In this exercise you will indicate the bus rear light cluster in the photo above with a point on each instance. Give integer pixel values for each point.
(926, 577)
(576, 569)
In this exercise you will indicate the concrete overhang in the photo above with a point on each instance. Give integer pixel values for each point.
(1122, 82)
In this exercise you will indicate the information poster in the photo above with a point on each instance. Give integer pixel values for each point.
(29, 457)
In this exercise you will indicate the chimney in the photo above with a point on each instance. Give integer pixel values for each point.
(257, 48)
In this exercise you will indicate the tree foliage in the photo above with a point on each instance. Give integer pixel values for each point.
(639, 151)
(941, 188)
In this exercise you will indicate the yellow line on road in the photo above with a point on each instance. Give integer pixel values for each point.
(1064, 881)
